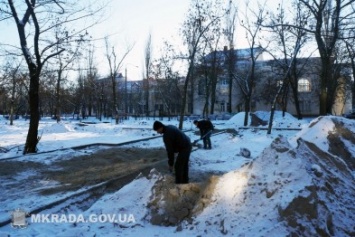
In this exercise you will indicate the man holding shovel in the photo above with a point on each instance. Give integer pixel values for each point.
(176, 141)
(206, 128)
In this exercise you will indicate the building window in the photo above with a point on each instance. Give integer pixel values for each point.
(224, 90)
(223, 107)
(279, 83)
(304, 85)
(224, 82)
(223, 86)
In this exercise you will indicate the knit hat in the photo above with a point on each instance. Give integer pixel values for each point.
(157, 125)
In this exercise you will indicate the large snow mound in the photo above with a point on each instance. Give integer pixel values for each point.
(302, 191)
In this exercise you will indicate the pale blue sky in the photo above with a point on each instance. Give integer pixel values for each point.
(133, 21)
(129, 22)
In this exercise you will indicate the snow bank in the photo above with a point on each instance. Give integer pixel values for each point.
(279, 121)
(302, 191)
(56, 128)
(237, 120)
(254, 194)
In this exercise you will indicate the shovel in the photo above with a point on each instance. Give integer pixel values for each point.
(194, 143)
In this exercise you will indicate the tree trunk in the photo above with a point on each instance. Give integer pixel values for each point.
(12, 104)
(114, 95)
(57, 98)
(192, 92)
(32, 135)
(295, 98)
(250, 90)
(247, 110)
(184, 96)
(207, 98)
(183, 102)
(326, 77)
(147, 97)
(231, 69)
(213, 97)
(353, 83)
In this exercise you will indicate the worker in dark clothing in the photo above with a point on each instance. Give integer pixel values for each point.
(176, 141)
(206, 128)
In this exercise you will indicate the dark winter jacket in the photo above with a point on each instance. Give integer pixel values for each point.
(175, 141)
(205, 125)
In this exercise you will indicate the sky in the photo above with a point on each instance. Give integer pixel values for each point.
(271, 193)
(134, 20)
(129, 23)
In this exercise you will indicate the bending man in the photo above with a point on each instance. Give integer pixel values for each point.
(176, 141)
(206, 128)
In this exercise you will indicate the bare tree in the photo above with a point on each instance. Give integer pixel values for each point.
(167, 95)
(203, 71)
(212, 68)
(329, 24)
(212, 37)
(13, 77)
(115, 64)
(85, 91)
(147, 68)
(252, 25)
(88, 82)
(64, 62)
(199, 20)
(35, 22)
(350, 48)
(287, 44)
(230, 55)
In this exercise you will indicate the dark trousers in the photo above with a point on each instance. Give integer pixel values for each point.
(182, 167)
(206, 134)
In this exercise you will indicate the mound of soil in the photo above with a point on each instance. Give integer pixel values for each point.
(172, 203)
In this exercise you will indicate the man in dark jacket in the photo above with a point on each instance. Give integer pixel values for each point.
(176, 141)
(206, 128)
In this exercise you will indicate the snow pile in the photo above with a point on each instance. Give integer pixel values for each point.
(56, 128)
(254, 195)
(280, 120)
(238, 120)
(302, 191)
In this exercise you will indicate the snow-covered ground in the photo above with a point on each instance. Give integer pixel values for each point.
(295, 182)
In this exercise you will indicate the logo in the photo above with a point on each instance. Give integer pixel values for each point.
(19, 216)
(18, 219)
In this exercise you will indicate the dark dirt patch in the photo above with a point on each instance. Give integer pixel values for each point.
(337, 146)
(102, 166)
(119, 164)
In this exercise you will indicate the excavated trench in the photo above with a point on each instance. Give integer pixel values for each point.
(96, 174)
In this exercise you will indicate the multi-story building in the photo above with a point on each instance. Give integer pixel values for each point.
(269, 77)
(164, 95)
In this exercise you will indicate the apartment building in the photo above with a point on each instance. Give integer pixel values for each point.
(162, 97)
